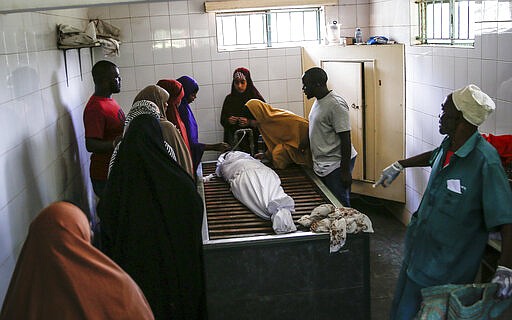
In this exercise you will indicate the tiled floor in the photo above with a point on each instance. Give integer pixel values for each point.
(385, 253)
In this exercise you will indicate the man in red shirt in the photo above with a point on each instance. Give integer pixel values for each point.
(103, 122)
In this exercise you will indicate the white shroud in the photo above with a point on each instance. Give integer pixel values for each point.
(258, 187)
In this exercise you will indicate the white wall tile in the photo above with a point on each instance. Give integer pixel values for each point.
(180, 27)
(181, 51)
(489, 40)
(221, 72)
(128, 79)
(144, 76)
(259, 69)
(239, 55)
(460, 72)
(178, 7)
(220, 91)
(200, 49)
(277, 67)
(199, 25)
(182, 69)
(119, 11)
(139, 10)
(293, 66)
(195, 6)
(504, 81)
(202, 72)
(215, 54)
(158, 9)
(126, 56)
(206, 120)
(143, 53)
(348, 18)
(505, 41)
(160, 27)
(237, 63)
(277, 91)
(258, 53)
(294, 90)
(162, 52)
(475, 71)
(503, 117)
(98, 12)
(164, 71)
(141, 29)
(489, 77)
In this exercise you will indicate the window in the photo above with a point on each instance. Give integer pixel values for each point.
(449, 22)
(268, 28)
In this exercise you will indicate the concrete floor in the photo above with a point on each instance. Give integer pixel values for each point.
(385, 253)
(386, 248)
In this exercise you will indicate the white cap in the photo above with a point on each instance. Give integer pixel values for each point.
(474, 104)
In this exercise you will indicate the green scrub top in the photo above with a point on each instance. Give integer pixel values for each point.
(471, 196)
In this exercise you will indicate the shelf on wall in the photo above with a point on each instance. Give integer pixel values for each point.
(78, 47)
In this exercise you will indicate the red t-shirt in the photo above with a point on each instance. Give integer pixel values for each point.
(104, 120)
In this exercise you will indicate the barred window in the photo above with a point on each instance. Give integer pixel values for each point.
(268, 28)
(448, 22)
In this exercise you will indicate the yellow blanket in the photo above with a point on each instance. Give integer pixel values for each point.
(285, 134)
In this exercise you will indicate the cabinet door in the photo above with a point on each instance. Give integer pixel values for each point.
(346, 79)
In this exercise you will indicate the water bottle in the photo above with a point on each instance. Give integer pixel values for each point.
(261, 144)
(359, 36)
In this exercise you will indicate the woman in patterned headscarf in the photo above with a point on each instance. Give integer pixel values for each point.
(190, 88)
(172, 135)
(60, 275)
(233, 115)
(151, 217)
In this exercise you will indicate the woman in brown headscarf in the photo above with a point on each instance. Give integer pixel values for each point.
(285, 134)
(60, 275)
(172, 135)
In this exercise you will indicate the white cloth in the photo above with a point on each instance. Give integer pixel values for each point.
(328, 117)
(474, 104)
(259, 188)
(338, 222)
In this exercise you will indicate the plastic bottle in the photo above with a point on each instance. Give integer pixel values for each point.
(359, 36)
(261, 144)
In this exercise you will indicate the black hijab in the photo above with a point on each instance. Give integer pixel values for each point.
(151, 216)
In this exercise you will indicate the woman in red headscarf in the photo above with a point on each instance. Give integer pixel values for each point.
(175, 90)
(233, 115)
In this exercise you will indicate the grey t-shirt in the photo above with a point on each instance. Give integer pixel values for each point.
(328, 117)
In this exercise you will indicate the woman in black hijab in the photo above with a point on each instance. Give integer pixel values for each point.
(234, 114)
(151, 218)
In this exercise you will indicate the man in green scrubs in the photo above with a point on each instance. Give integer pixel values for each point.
(467, 196)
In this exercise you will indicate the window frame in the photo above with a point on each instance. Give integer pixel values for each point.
(455, 29)
(270, 36)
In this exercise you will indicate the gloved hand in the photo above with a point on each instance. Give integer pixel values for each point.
(503, 277)
(389, 174)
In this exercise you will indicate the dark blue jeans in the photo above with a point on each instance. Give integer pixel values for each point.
(333, 182)
(98, 186)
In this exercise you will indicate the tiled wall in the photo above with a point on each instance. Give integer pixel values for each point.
(42, 152)
(433, 72)
(166, 40)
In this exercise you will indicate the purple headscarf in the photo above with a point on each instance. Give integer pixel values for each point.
(190, 86)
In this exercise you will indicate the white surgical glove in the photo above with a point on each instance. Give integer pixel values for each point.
(389, 174)
(503, 277)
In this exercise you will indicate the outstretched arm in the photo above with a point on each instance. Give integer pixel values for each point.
(390, 173)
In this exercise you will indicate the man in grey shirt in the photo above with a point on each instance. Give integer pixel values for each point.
(329, 135)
